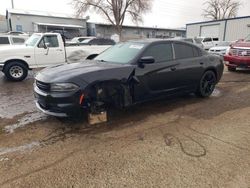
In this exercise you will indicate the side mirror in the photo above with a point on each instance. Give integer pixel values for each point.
(147, 60)
(47, 45)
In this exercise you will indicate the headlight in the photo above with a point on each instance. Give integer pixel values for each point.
(59, 87)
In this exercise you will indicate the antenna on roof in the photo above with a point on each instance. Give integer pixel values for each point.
(12, 3)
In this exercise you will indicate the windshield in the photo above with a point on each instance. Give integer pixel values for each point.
(247, 39)
(33, 40)
(121, 53)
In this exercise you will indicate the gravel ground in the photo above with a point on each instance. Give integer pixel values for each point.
(178, 142)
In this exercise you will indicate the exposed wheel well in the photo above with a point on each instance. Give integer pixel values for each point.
(16, 60)
(213, 70)
(112, 93)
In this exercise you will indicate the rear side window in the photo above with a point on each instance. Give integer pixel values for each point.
(4, 40)
(160, 52)
(185, 51)
(18, 40)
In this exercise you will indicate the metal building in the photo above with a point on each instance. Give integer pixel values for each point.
(134, 32)
(3, 24)
(38, 21)
(226, 30)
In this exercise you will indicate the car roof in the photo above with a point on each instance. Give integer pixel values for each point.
(149, 41)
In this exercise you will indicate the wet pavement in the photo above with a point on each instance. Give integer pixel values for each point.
(178, 142)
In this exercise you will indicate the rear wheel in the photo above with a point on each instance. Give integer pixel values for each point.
(16, 71)
(207, 84)
(231, 69)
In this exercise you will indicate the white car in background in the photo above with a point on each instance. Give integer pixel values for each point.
(193, 41)
(12, 39)
(77, 40)
(221, 48)
(42, 50)
(208, 42)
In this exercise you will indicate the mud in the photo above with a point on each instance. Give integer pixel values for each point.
(181, 141)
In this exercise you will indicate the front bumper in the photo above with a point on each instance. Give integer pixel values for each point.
(1, 66)
(237, 59)
(58, 104)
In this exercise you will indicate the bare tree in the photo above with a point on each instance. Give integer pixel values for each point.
(114, 11)
(221, 9)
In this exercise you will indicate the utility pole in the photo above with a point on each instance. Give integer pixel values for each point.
(12, 3)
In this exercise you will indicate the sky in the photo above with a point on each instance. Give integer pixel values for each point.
(164, 13)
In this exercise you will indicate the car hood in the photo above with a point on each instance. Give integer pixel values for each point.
(87, 71)
(241, 45)
(220, 48)
(12, 47)
(15, 50)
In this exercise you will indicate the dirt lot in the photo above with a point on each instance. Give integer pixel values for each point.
(178, 142)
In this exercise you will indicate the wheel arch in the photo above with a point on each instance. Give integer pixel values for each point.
(213, 70)
(15, 60)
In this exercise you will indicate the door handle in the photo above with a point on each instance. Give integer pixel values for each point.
(173, 68)
(201, 63)
(59, 50)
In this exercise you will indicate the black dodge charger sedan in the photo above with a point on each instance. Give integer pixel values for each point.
(126, 74)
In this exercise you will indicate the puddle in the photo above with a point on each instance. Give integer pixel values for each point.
(25, 120)
(216, 93)
(22, 148)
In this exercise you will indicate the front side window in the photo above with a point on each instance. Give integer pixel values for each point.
(160, 52)
(183, 51)
(51, 40)
(4, 40)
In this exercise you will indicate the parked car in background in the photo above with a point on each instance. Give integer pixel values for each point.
(221, 48)
(126, 74)
(12, 40)
(65, 34)
(208, 42)
(193, 41)
(17, 33)
(239, 55)
(75, 41)
(92, 41)
(42, 50)
(80, 39)
(97, 41)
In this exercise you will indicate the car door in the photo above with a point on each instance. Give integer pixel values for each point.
(54, 54)
(190, 65)
(158, 77)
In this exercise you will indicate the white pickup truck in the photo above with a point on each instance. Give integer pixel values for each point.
(42, 50)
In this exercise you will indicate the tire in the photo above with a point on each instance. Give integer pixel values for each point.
(231, 69)
(16, 71)
(207, 84)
